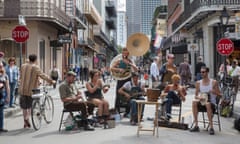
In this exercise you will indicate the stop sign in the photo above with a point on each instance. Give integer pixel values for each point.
(20, 34)
(225, 46)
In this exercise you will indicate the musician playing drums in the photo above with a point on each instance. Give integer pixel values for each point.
(133, 90)
(122, 68)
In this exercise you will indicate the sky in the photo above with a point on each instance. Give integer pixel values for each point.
(121, 5)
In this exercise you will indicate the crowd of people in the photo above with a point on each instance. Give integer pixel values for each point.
(170, 79)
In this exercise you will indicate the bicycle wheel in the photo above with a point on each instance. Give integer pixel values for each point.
(36, 115)
(48, 109)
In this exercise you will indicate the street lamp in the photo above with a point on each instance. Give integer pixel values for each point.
(70, 29)
(224, 18)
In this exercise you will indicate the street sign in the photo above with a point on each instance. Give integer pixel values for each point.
(225, 46)
(64, 39)
(20, 33)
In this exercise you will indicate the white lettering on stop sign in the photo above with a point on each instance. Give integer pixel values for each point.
(20, 34)
(225, 46)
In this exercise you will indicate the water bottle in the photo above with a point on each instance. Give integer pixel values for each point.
(117, 118)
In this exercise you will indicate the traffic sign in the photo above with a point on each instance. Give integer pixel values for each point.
(20, 33)
(64, 39)
(225, 46)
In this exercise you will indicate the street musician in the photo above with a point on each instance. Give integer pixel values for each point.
(133, 90)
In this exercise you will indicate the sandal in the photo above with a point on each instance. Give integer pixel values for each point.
(26, 124)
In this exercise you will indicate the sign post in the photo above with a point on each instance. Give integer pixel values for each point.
(20, 34)
(225, 47)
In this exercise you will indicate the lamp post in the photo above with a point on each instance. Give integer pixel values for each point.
(224, 18)
(70, 29)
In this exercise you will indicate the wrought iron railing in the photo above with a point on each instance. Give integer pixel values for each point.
(202, 4)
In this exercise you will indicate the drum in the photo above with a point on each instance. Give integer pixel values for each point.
(153, 94)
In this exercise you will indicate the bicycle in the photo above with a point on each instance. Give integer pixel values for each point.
(228, 95)
(42, 107)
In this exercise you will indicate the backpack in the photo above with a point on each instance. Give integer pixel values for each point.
(54, 74)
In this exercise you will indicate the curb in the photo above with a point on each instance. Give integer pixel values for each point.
(11, 112)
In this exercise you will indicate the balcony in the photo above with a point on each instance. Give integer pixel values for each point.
(200, 9)
(110, 22)
(88, 42)
(110, 8)
(91, 13)
(81, 21)
(99, 34)
(35, 10)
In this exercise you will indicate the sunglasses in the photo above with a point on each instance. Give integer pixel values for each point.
(203, 71)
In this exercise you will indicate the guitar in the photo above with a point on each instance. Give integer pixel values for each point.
(135, 94)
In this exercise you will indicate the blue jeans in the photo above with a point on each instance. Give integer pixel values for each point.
(1, 117)
(172, 98)
(133, 106)
(198, 76)
(12, 92)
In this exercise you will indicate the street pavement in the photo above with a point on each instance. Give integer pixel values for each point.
(122, 133)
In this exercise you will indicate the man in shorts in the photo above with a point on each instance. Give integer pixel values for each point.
(29, 79)
(210, 88)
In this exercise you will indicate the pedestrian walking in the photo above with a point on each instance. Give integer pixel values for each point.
(185, 72)
(13, 74)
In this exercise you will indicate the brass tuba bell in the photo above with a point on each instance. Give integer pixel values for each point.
(138, 44)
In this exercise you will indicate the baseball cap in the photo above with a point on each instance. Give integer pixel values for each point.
(69, 73)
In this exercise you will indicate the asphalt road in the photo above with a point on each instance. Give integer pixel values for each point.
(122, 133)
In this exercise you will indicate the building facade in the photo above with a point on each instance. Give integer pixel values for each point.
(195, 26)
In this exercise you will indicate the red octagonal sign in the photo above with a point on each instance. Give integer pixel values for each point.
(225, 46)
(20, 34)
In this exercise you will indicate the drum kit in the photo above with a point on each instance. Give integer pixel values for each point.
(137, 45)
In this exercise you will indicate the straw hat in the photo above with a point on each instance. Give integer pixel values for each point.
(138, 44)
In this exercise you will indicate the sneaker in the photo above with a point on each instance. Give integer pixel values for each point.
(195, 129)
(3, 130)
(211, 131)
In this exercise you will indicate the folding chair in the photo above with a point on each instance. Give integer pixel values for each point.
(63, 121)
(216, 112)
(177, 110)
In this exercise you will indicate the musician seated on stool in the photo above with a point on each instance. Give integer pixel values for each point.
(133, 90)
(72, 99)
(211, 89)
(173, 94)
(95, 88)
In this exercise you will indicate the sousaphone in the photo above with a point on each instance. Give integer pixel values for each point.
(138, 44)
(119, 75)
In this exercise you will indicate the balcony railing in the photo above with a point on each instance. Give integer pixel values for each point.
(98, 32)
(206, 5)
(43, 9)
(91, 13)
